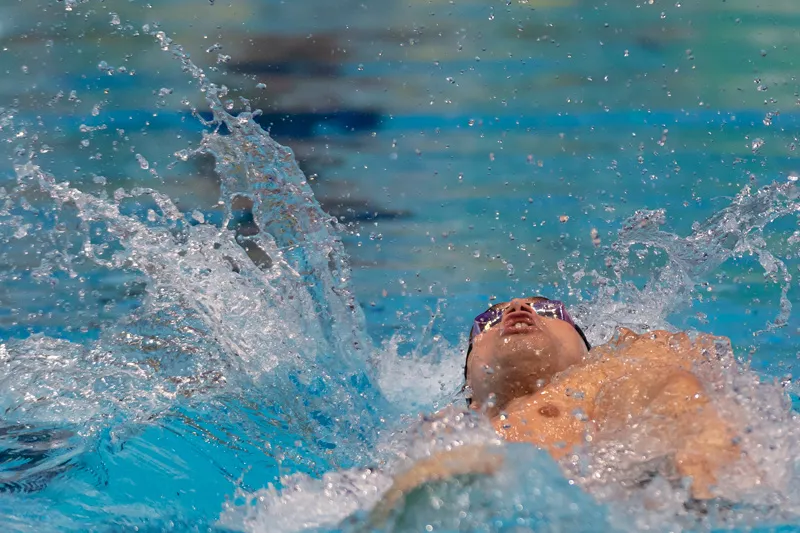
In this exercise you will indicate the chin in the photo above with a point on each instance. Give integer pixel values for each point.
(530, 339)
(524, 348)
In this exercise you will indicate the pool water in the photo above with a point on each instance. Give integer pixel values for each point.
(199, 334)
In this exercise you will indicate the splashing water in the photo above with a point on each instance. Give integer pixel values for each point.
(735, 231)
(264, 327)
(531, 493)
(213, 323)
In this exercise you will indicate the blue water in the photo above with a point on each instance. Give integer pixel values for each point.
(192, 343)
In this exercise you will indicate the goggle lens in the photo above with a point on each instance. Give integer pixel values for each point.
(541, 306)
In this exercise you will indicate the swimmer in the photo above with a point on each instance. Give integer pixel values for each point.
(530, 369)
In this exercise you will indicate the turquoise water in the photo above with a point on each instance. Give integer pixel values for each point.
(192, 342)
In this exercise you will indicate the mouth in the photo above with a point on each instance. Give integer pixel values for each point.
(518, 323)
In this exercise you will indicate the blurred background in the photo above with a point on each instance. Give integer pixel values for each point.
(471, 148)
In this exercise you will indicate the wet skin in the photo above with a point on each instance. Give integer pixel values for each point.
(644, 381)
(534, 378)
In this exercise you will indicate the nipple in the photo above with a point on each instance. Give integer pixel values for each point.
(549, 410)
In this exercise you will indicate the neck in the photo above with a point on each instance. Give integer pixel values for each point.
(494, 405)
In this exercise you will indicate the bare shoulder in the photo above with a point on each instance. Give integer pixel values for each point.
(664, 347)
(631, 360)
(633, 368)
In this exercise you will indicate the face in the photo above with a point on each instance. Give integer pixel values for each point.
(512, 357)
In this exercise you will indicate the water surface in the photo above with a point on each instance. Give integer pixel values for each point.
(184, 324)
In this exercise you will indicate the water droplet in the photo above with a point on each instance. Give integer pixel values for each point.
(103, 66)
(163, 40)
(22, 231)
(261, 86)
(83, 128)
(142, 162)
(579, 414)
(595, 237)
(115, 19)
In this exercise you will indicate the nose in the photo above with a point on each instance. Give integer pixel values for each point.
(518, 304)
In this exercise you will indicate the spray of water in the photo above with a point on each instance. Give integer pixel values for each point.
(733, 232)
(214, 322)
(528, 491)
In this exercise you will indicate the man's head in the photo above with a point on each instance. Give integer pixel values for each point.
(518, 345)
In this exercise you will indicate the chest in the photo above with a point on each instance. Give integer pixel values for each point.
(551, 420)
(578, 408)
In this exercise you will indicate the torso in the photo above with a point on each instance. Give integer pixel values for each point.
(609, 391)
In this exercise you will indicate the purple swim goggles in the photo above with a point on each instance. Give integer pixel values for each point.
(540, 305)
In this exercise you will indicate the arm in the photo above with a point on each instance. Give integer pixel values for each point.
(704, 442)
(655, 387)
(469, 459)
